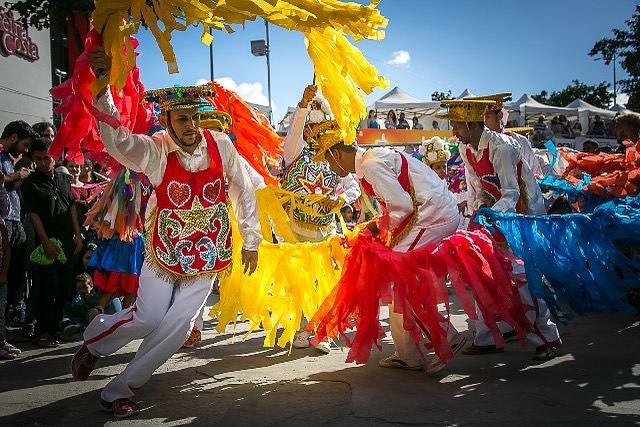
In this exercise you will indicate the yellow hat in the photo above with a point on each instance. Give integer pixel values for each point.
(321, 137)
(500, 99)
(180, 97)
(215, 120)
(521, 130)
(465, 110)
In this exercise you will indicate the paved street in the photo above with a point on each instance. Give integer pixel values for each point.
(595, 381)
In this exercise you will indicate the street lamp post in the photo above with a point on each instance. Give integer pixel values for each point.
(261, 48)
(615, 92)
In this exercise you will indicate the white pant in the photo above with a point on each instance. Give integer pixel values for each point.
(545, 330)
(406, 349)
(163, 315)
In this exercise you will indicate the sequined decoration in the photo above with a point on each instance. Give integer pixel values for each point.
(304, 177)
(171, 229)
(225, 251)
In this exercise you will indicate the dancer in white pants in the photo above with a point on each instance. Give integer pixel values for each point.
(417, 209)
(499, 178)
(188, 232)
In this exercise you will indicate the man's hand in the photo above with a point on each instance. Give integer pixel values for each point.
(79, 244)
(373, 229)
(99, 61)
(462, 206)
(21, 174)
(249, 261)
(51, 250)
(307, 96)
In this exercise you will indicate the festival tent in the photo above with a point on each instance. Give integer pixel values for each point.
(466, 94)
(586, 111)
(622, 110)
(397, 99)
(525, 108)
(285, 121)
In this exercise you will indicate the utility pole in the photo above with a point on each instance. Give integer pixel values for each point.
(615, 92)
(266, 23)
(211, 56)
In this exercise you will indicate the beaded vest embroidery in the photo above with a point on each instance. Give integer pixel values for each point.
(304, 176)
(191, 230)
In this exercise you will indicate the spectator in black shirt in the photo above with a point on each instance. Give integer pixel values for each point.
(597, 127)
(47, 198)
(402, 122)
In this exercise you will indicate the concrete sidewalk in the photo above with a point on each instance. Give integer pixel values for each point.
(595, 380)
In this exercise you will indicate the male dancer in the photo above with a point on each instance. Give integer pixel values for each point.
(189, 233)
(497, 178)
(304, 176)
(419, 210)
(493, 119)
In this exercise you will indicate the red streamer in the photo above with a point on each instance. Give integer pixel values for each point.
(472, 261)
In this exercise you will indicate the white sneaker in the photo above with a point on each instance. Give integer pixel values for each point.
(12, 348)
(324, 347)
(301, 340)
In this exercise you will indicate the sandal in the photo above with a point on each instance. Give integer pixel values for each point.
(392, 362)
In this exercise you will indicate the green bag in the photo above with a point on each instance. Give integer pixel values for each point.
(38, 256)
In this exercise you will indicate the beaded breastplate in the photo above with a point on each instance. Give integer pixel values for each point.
(304, 177)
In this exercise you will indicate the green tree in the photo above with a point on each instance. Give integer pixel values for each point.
(624, 47)
(42, 14)
(50, 13)
(595, 95)
(439, 96)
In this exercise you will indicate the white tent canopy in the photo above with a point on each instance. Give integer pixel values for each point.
(527, 106)
(397, 99)
(586, 111)
(622, 110)
(582, 105)
(466, 94)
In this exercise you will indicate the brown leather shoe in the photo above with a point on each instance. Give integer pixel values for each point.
(476, 350)
(83, 363)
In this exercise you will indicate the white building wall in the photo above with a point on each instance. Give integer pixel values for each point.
(25, 83)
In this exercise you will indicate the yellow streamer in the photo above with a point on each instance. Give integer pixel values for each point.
(340, 68)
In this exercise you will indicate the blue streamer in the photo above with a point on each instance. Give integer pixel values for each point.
(577, 254)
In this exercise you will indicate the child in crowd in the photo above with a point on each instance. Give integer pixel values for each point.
(76, 312)
(348, 215)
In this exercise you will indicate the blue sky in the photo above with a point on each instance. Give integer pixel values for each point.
(486, 46)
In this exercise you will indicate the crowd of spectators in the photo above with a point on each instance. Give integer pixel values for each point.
(45, 291)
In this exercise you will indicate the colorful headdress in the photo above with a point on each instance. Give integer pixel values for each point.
(499, 98)
(215, 120)
(465, 110)
(321, 131)
(180, 97)
(434, 150)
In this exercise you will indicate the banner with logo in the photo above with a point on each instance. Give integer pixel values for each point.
(372, 136)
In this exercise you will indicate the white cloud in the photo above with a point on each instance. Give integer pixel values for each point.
(201, 82)
(400, 58)
(250, 92)
(622, 99)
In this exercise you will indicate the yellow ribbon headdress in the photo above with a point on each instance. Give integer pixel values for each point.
(341, 70)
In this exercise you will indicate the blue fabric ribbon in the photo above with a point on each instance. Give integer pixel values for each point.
(578, 254)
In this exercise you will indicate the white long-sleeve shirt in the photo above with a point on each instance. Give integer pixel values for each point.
(527, 152)
(148, 154)
(293, 142)
(381, 168)
(504, 155)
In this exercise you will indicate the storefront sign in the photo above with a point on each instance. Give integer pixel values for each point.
(14, 39)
